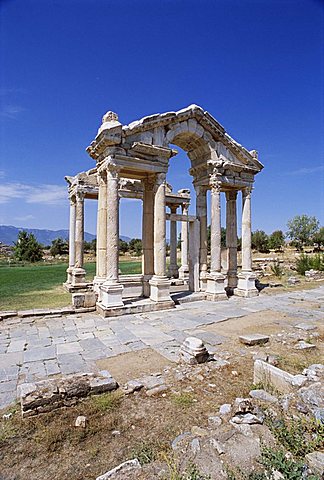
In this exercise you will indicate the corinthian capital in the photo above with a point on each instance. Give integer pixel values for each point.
(215, 182)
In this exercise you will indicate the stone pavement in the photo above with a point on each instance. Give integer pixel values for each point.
(35, 348)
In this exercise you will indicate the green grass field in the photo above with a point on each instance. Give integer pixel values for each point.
(40, 286)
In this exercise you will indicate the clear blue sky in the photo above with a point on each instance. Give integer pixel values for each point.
(256, 66)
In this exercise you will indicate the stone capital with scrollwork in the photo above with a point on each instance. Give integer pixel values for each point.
(215, 183)
(247, 192)
(149, 183)
(160, 179)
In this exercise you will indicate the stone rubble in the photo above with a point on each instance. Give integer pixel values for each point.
(124, 467)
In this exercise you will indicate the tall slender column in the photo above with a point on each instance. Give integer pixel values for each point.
(71, 241)
(215, 229)
(215, 283)
(246, 278)
(160, 285)
(201, 213)
(78, 272)
(111, 290)
(148, 233)
(173, 269)
(101, 260)
(231, 238)
(184, 269)
(246, 230)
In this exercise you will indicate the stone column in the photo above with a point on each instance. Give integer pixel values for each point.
(160, 284)
(148, 233)
(78, 273)
(173, 269)
(71, 242)
(215, 283)
(184, 269)
(201, 213)
(246, 278)
(231, 238)
(101, 260)
(111, 290)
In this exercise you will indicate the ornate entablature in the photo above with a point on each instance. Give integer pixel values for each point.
(143, 147)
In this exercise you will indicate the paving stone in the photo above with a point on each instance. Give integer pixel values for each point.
(305, 326)
(36, 354)
(254, 339)
(52, 367)
(10, 386)
(92, 344)
(66, 348)
(11, 359)
(9, 373)
(71, 363)
(93, 355)
(33, 371)
(138, 345)
(7, 398)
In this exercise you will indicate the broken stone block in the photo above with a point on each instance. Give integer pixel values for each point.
(195, 446)
(124, 467)
(254, 339)
(314, 372)
(214, 422)
(301, 345)
(102, 384)
(132, 386)
(193, 351)
(199, 432)
(156, 391)
(293, 281)
(274, 377)
(248, 418)
(84, 300)
(305, 326)
(81, 421)
(218, 447)
(243, 405)
(299, 380)
(225, 409)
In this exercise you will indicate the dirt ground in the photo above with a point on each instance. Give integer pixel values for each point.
(120, 427)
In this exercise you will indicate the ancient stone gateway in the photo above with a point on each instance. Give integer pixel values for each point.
(132, 161)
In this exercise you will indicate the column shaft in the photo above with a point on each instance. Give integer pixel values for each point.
(79, 230)
(201, 212)
(159, 228)
(148, 228)
(101, 265)
(72, 232)
(231, 237)
(246, 231)
(112, 227)
(215, 230)
(173, 245)
(184, 240)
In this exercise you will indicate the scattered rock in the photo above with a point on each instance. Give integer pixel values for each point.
(299, 380)
(151, 381)
(293, 281)
(214, 421)
(115, 433)
(193, 351)
(132, 386)
(123, 467)
(155, 391)
(314, 372)
(199, 432)
(243, 405)
(248, 418)
(254, 339)
(263, 396)
(225, 409)
(81, 421)
(301, 345)
(315, 461)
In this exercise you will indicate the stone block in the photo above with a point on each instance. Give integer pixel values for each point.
(272, 376)
(193, 351)
(254, 339)
(84, 300)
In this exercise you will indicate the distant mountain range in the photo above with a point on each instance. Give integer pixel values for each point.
(9, 234)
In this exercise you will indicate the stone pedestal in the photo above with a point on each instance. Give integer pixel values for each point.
(216, 286)
(78, 277)
(111, 295)
(246, 285)
(160, 289)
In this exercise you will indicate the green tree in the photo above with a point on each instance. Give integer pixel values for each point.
(27, 248)
(260, 241)
(301, 229)
(135, 246)
(59, 247)
(318, 238)
(276, 240)
(123, 246)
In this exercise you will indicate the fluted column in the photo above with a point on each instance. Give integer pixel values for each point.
(201, 213)
(173, 269)
(231, 238)
(216, 280)
(246, 278)
(111, 290)
(148, 233)
(184, 269)
(160, 284)
(101, 257)
(78, 272)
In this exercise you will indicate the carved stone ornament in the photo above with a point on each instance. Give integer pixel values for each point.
(215, 182)
(110, 117)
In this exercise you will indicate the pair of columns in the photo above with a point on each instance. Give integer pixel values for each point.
(75, 271)
(213, 282)
(174, 270)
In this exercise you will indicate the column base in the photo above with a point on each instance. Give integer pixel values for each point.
(160, 289)
(110, 295)
(184, 273)
(97, 282)
(216, 287)
(246, 285)
(146, 286)
(174, 271)
(78, 278)
(203, 280)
